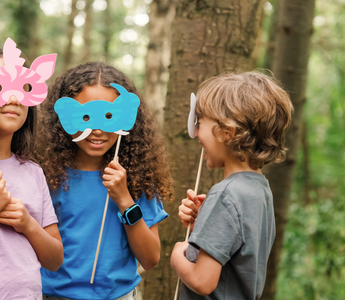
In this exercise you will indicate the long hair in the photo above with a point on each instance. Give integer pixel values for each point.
(23, 140)
(141, 153)
(258, 108)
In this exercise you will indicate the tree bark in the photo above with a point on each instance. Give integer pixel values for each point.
(70, 32)
(208, 37)
(295, 27)
(162, 14)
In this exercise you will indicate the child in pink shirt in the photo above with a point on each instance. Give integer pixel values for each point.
(29, 236)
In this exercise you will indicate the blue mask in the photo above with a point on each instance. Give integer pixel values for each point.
(118, 116)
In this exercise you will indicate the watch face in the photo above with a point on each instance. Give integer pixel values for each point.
(134, 215)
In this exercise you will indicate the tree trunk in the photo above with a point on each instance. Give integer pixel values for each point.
(162, 14)
(208, 37)
(290, 67)
(107, 32)
(87, 31)
(70, 32)
(271, 36)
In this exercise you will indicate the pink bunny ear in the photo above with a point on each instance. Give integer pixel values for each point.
(12, 54)
(44, 66)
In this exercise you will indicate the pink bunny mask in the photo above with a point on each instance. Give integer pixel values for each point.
(13, 76)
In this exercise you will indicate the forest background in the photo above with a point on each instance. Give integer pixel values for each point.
(137, 36)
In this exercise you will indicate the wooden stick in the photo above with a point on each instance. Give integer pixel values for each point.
(196, 192)
(196, 186)
(104, 215)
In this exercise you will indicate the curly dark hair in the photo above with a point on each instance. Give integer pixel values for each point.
(256, 106)
(23, 139)
(141, 153)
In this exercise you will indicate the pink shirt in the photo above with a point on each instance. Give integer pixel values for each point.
(20, 277)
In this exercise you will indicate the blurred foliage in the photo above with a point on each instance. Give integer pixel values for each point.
(128, 40)
(313, 260)
(23, 23)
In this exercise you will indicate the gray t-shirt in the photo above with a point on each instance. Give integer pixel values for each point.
(236, 227)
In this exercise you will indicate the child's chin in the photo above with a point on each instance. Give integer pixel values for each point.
(210, 165)
(213, 165)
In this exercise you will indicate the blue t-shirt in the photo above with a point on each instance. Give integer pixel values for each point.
(80, 212)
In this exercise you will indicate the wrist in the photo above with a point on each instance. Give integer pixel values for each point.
(31, 227)
(132, 215)
(125, 203)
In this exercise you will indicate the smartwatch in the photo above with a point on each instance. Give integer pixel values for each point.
(131, 215)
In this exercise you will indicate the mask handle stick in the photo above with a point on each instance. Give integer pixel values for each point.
(188, 229)
(104, 215)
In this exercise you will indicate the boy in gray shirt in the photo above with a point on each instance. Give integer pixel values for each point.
(241, 123)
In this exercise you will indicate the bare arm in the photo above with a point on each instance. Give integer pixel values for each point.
(45, 241)
(143, 241)
(201, 277)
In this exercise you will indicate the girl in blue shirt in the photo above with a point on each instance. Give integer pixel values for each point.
(80, 174)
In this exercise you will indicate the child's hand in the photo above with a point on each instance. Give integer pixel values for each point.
(5, 195)
(16, 215)
(189, 209)
(115, 180)
(181, 247)
(177, 253)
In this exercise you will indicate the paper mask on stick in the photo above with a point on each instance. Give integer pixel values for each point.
(192, 119)
(192, 129)
(13, 76)
(117, 116)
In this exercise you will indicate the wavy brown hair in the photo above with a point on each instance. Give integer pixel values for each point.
(23, 139)
(141, 153)
(257, 106)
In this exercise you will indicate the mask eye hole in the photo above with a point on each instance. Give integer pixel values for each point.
(86, 118)
(0, 87)
(108, 115)
(27, 87)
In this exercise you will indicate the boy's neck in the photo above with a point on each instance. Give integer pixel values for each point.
(234, 165)
(5, 149)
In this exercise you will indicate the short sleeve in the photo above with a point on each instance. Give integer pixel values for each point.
(153, 211)
(48, 212)
(217, 228)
